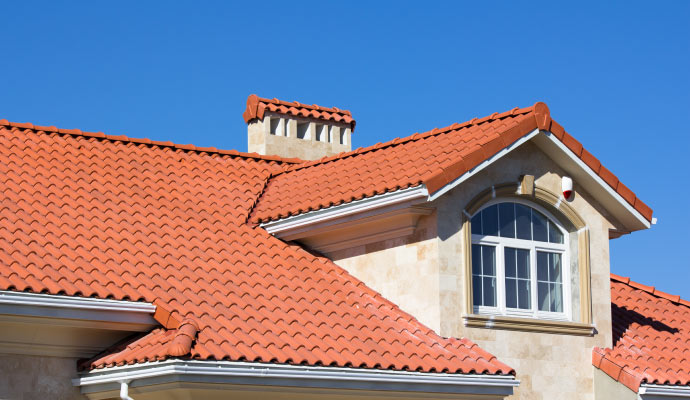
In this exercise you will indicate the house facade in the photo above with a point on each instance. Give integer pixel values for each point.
(465, 262)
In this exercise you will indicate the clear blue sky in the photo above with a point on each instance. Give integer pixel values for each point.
(616, 75)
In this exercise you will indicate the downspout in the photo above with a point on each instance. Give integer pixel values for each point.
(124, 390)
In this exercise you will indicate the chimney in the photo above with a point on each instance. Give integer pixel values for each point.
(292, 129)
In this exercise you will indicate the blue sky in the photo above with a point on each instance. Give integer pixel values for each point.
(616, 75)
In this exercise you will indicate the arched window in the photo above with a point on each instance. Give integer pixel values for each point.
(519, 262)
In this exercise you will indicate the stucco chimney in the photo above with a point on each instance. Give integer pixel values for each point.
(292, 129)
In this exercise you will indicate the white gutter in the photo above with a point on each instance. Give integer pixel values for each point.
(412, 194)
(76, 308)
(650, 391)
(244, 373)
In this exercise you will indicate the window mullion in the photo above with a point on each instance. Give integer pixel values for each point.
(533, 280)
(500, 278)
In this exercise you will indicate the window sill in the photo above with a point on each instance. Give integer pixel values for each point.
(528, 325)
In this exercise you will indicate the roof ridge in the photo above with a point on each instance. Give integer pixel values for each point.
(298, 104)
(650, 289)
(122, 138)
(413, 137)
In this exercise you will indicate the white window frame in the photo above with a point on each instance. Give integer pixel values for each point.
(500, 243)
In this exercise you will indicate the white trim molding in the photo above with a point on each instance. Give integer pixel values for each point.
(295, 222)
(667, 392)
(215, 375)
(65, 326)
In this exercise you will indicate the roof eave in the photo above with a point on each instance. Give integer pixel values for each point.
(289, 226)
(233, 374)
(66, 326)
(654, 391)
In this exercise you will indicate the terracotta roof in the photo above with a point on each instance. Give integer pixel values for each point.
(434, 158)
(110, 217)
(651, 336)
(257, 106)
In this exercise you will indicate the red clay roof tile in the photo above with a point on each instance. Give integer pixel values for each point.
(434, 158)
(257, 106)
(651, 332)
(112, 218)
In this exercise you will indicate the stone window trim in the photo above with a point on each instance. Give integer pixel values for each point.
(528, 325)
(569, 218)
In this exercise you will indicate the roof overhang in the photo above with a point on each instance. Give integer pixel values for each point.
(42, 324)
(614, 203)
(663, 392)
(209, 377)
(376, 218)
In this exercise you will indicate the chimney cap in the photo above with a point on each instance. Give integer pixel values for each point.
(257, 106)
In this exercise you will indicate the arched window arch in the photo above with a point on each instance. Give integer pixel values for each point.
(520, 258)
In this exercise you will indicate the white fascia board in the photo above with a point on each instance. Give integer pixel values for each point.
(21, 304)
(354, 207)
(263, 374)
(474, 171)
(581, 164)
(650, 391)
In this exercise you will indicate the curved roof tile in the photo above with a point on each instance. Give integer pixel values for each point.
(651, 336)
(110, 217)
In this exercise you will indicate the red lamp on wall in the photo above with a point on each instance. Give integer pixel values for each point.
(567, 187)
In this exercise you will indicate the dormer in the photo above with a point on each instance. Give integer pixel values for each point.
(293, 129)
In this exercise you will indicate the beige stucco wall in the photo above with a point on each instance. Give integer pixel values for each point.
(34, 377)
(606, 388)
(401, 269)
(432, 287)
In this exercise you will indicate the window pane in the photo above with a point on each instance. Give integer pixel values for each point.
(511, 293)
(510, 262)
(476, 259)
(549, 286)
(543, 296)
(555, 234)
(490, 221)
(489, 260)
(484, 275)
(477, 290)
(523, 263)
(506, 217)
(489, 292)
(554, 267)
(542, 266)
(556, 295)
(539, 228)
(476, 223)
(522, 222)
(524, 298)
